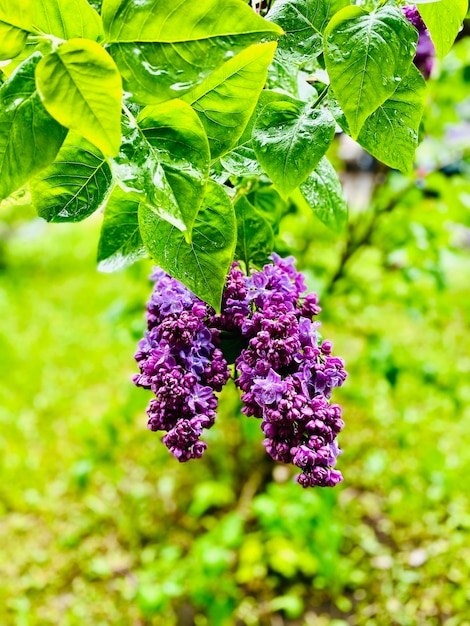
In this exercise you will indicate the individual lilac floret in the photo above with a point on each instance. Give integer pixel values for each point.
(425, 51)
(285, 373)
(179, 361)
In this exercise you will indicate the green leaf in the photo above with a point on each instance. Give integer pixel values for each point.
(80, 86)
(29, 137)
(180, 144)
(324, 195)
(390, 134)
(303, 21)
(255, 237)
(227, 99)
(203, 264)
(65, 19)
(270, 204)
(75, 185)
(120, 242)
(12, 41)
(165, 49)
(289, 139)
(444, 20)
(366, 56)
(166, 161)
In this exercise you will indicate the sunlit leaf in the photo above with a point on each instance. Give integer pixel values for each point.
(227, 99)
(366, 56)
(203, 264)
(289, 139)
(80, 86)
(75, 185)
(444, 20)
(165, 49)
(120, 242)
(12, 41)
(29, 137)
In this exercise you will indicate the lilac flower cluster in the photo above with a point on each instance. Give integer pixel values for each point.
(285, 375)
(180, 362)
(285, 372)
(425, 51)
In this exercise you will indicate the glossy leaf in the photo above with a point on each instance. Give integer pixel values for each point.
(120, 242)
(366, 56)
(12, 41)
(390, 134)
(203, 264)
(303, 21)
(165, 49)
(166, 161)
(75, 185)
(324, 195)
(444, 20)
(270, 204)
(65, 19)
(80, 86)
(289, 139)
(227, 99)
(29, 137)
(180, 144)
(255, 236)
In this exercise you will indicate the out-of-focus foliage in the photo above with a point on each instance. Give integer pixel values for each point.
(100, 526)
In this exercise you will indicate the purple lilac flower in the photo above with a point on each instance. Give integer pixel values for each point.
(179, 361)
(425, 51)
(285, 373)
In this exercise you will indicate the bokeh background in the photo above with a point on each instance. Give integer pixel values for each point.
(100, 526)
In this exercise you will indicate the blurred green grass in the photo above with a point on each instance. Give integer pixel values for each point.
(99, 525)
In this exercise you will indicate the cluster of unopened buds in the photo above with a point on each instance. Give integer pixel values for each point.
(285, 372)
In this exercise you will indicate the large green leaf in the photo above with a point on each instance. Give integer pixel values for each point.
(444, 20)
(289, 139)
(367, 55)
(80, 86)
(323, 193)
(227, 99)
(390, 134)
(75, 185)
(303, 21)
(64, 19)
(180, 144)
(165, 158)
(255, 236)
(120, 241)
(203, 264)
(12, 41)
(164, 49)
(29, 137)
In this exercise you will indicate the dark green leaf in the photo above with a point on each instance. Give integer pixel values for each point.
(366, 56)
(165, 49)
(303, 21)
(80, 86)
(270, 204)
(227, 99)
(444, 20)
(289, 139)
(75, 185)
(29, 137)
(180, 144)
(203, 264)
(324, 195)
(255, 236)
(120, 241)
